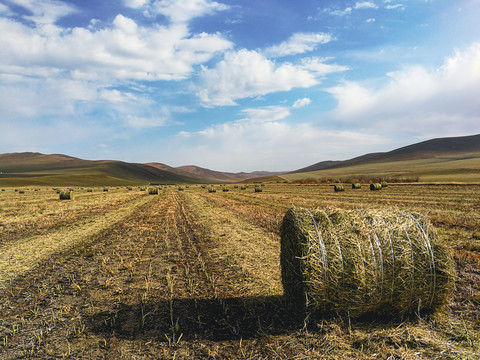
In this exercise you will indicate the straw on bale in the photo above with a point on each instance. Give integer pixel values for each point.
(338, 188)
(375, 186)
(363, 262)
(356, 186)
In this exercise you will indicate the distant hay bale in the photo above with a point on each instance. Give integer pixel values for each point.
(375, 186)
(152, 191)
(21, 191)
(65, 195)
(258, 189)
(89, 190)
(356, 186)
(356, 263)
(384, 184)
(105, 189)
(180, 188)
(204, 186)
(338, 188)
(243, 188)
(212, 190)
(225, 189)
(235, 186)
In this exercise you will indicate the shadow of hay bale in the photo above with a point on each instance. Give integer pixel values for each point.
(199, 319)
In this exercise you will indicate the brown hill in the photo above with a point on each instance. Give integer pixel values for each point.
(458, 147)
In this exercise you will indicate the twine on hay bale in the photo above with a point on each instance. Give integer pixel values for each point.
(362, 262)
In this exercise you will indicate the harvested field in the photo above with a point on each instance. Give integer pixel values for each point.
(192, 274)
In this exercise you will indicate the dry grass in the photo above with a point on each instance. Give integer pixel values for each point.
(196, 275)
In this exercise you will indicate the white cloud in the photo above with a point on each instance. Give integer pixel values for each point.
(123, 51)
(338, 12)
(59, 69)
(371, 20)
(46, 11)
(318, 66)
(299, 43)
(365, 5)
(265, 114)
(135, 4)
(5, 10)
(396, 6)
(271, 145)
(247, 73)
(301, 103)
(115, 96)
(414, 100)
(185, 10)
(145, 122)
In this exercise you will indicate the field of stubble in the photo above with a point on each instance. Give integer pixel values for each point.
(191, 274)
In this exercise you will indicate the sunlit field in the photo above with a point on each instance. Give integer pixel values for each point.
(195, 274)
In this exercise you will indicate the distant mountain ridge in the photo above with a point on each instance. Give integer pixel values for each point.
(18, 169)
(449, 146)
(36, 165)
(57, 166)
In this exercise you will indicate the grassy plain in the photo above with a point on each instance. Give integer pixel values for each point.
(192, 274)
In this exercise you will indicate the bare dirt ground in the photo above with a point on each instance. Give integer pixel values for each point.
(195, 275)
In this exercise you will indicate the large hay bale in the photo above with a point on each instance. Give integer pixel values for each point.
(375, 186)
(361, 262)
(356, 186)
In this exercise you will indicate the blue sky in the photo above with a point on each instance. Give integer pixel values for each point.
(236, 85)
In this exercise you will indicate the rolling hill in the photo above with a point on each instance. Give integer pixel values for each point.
(211, 175)
(21, 169)
(452, 159)
(442, 159)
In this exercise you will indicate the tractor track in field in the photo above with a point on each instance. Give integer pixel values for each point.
(146, 285)
(190, 275)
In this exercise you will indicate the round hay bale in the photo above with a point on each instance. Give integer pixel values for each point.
(356, 186)
(212, 190)
(384, 184)
(363, 262)
(338, 188)
(152, 191)
(258, 189)
(375, 186)
(65, 195)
